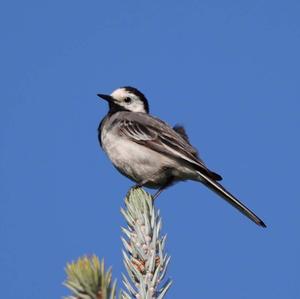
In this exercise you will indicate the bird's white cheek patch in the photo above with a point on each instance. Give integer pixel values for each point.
(137, 107)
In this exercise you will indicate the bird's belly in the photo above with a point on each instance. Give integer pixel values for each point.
(136, 161)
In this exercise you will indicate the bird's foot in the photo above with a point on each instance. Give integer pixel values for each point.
(137, 186)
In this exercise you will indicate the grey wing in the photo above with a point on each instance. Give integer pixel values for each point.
(179, 129)
(157, 135)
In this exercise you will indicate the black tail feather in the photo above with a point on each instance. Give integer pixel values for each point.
(220, 190)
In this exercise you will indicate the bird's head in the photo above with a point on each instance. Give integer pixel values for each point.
(126, 98)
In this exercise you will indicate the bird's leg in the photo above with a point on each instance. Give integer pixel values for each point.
(157, 193)
(144, 182)
(136, 186)
(168, 183)
(140, 184)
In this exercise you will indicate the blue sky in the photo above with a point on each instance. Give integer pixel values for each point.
(227, 70)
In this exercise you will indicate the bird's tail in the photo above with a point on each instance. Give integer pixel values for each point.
(220, 190)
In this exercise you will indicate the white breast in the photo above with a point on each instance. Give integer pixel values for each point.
(133, 160)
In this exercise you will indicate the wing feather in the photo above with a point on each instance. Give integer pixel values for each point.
(157, 135)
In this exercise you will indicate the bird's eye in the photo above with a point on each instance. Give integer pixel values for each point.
(127, 100)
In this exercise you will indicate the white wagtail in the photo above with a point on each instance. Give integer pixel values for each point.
(150, 152)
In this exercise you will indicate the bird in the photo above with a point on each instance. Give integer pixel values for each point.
(152, 153)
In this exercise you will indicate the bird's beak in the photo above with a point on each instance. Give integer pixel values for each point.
(106, 97)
